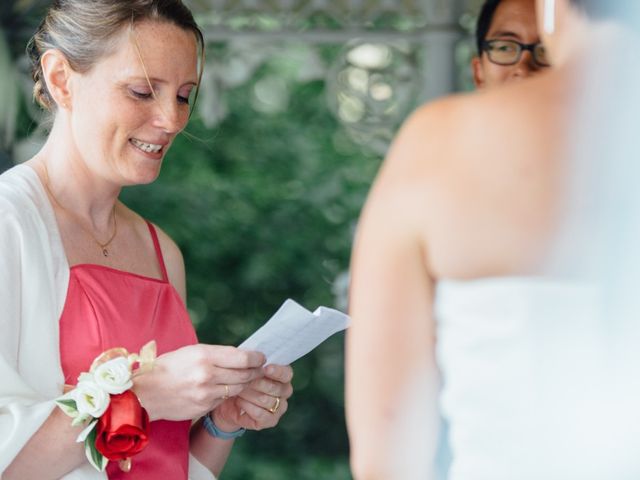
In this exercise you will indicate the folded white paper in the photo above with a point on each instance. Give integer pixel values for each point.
(293, 331)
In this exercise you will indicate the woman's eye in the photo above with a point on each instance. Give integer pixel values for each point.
(184, 100)
(141, 95)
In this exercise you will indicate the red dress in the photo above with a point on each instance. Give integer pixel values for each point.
(107, 308)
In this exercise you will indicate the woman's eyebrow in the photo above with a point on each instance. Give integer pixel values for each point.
(156, 80)
(505, 33)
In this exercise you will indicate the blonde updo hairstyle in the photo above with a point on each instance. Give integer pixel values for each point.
(84, 30)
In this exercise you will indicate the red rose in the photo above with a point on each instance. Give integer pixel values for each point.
(123, 429)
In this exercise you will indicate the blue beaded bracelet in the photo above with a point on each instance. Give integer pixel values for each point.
(214, 431)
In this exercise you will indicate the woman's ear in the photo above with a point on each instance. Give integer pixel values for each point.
(56, 73)
(478, 72)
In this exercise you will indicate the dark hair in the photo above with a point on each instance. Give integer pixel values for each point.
(84, 30)
(485, 19)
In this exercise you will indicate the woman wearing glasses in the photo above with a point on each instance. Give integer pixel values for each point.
(498, 254)
(508, 43)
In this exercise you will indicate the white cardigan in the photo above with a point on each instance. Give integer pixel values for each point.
(34, 275)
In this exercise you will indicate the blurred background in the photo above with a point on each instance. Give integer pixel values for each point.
(299, 102)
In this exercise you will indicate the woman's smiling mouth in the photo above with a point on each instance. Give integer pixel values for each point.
(146, 147)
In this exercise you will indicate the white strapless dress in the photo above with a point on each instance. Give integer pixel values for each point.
(540, 380)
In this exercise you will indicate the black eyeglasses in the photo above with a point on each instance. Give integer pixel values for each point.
(509, 52)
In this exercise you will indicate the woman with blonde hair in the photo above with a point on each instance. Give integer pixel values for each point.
(81, 274)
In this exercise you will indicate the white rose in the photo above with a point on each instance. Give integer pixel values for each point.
(90, 398)
(114, 376)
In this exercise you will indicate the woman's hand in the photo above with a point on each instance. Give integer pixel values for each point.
(260, 405)
(193, 380)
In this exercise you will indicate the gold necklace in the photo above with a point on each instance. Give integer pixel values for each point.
(103, 246)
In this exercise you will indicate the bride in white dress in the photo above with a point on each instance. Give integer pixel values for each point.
(496, 272)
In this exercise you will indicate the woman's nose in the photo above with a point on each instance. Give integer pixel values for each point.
(525, 66)
(170, 117)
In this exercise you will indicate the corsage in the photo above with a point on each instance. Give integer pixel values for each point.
(116, 424)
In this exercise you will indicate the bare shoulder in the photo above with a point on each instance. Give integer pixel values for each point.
(482, 182)
(411, 167)
(451, 167)
(442, 135)
(426, 135)
(421, 150)
(173, 261)
(171, 253)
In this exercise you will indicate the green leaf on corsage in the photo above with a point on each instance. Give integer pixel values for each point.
(68, 406)
(95, 458)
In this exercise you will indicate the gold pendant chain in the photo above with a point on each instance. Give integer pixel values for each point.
(103, 246)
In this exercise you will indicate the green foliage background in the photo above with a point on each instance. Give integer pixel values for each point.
(263, 208)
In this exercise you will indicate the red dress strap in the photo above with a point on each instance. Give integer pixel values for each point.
(156, 245)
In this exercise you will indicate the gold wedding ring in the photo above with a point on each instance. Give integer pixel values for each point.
(275, 407)
(226, 392)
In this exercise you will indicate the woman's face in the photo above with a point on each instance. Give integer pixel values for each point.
(512, 20)
(119, 128)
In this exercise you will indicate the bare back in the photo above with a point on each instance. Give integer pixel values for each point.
(481, 176)
(469, 189)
